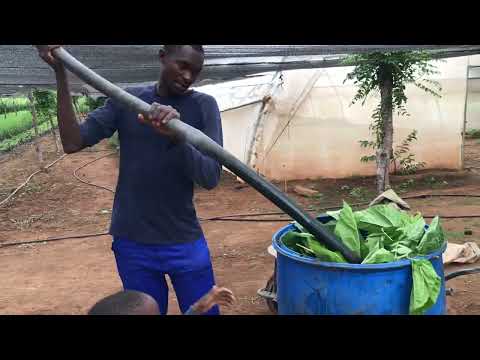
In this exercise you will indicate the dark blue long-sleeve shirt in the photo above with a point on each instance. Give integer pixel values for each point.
(154, 197)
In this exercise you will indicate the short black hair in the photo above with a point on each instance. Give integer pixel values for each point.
(171, 49)
(121, 303)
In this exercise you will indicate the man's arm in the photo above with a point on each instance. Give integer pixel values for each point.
(67, 121)
(100, 124)
(202, 169)
(198, 167)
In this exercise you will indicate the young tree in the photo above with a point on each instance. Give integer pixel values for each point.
(46, 106)
(388, 74)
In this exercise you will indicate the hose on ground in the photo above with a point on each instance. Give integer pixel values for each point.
(455, 274)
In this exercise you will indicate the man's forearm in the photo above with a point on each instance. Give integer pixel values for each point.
(67, 121)
(202, 169)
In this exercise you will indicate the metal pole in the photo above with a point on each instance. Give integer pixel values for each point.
(464, 129)
(209, 147)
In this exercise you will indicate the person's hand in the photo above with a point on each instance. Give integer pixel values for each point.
(46, 54)
(159, 117)
(216, 296)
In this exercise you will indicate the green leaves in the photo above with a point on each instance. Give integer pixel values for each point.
(425, 288)
(45, 103)
(322, 253)
(433, 239)
(346, 229)
(377, 217)
(306, 244)
(379, 256)
(412, 231)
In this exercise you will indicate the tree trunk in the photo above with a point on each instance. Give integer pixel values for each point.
(34, 121)
(385, 149)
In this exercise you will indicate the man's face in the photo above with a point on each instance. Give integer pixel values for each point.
(180, 69)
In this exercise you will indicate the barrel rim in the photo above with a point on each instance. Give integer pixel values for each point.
(283, 250)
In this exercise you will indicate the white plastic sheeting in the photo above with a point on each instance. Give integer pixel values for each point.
(311, 130)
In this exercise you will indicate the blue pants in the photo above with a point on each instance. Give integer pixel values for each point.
(143, 268)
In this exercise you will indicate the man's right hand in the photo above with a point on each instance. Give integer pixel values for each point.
(46, 54)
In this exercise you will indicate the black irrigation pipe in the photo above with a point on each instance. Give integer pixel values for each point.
(238, 217)
(226, 218)
(210, 148)
(88, 163)
(248, 220)
(9, 244)
(235, 217)
(461, 273)
(421, 196)
(288, 219)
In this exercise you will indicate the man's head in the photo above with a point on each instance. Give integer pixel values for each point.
(181, 65)
(126, 303)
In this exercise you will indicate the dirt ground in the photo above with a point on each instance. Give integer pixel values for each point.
(67, 277)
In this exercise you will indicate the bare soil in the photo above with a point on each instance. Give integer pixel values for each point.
(69, 276)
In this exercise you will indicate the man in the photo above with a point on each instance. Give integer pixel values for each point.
(137, 303)
(154, 224)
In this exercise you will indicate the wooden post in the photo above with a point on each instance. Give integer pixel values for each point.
(34, 121)
(54, 134)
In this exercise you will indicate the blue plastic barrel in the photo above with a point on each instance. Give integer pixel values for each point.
(306, 286)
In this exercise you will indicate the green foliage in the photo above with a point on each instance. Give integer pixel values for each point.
(404, 66)
(23, 137)
(426, 286)
(406, 159)
(8, 105)
(473, 134)
(113, 142)
(359, 193)
(93, 104)
(14, 124)
(402, 158)
(45, 104)
(16, 127)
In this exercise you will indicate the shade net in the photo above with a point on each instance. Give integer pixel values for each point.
(124, 65)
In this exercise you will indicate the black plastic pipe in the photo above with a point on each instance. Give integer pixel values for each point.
(209, 147)
(455, 274)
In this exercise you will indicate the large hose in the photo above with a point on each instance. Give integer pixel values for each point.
(209, 147)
